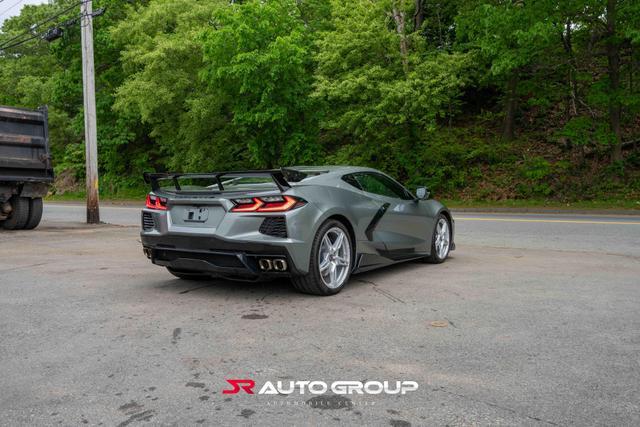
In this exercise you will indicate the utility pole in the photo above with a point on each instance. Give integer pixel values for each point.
(90, 131)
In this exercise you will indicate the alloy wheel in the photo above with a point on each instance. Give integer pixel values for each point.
(442, 238)
(335, 257)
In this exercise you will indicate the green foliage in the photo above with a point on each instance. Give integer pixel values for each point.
(535, 172)
(258, 56)
(161, 58)
(536, 169)
(418, 92)
(509, 35)
(381, 97)
(584, 131)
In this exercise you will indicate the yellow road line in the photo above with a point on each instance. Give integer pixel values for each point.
(560, 221)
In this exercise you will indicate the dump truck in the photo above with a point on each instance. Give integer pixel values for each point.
(25, 166)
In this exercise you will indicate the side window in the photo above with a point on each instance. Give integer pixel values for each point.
(381, 185)
(351, 180)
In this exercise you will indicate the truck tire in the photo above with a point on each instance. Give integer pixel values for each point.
(35, 213)
(19, 214)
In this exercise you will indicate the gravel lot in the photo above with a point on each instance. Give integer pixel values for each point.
(534, 320)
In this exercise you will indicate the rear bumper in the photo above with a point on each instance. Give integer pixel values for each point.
(216, 256)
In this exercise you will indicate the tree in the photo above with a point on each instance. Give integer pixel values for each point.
(385, 88)
(162, 57)
(510, 35)
(621, 21)
(260, 56)
(598, 38)
(431, 91)
(50, 73)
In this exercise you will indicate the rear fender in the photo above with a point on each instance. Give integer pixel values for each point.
(347, 205)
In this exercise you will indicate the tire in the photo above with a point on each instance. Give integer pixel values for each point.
(35, 213)
(19, 214)
(436, 256)
(188, 275)
(315, 282)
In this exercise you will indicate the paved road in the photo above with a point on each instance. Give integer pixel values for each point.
(534, 320)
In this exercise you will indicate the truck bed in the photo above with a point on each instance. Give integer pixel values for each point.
(24, 145)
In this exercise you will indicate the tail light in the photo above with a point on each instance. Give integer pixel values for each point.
(267, 204)
(156, 202)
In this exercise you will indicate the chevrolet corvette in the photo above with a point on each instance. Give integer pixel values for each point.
(314, 225)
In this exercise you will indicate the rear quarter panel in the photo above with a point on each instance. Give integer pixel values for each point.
(336, 200)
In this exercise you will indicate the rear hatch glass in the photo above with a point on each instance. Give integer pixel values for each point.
(216, 184)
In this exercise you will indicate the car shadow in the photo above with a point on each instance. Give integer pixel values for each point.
(385, 273)
(219, 286)
(283, 286)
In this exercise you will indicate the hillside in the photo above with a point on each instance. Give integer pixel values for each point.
(479, 99)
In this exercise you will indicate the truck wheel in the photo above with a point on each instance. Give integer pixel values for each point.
(19, 214)
(35, 213)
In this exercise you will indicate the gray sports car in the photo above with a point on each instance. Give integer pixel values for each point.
(316, 225)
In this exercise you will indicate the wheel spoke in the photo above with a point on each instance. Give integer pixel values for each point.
(338, 243)
(326, 243)
(333, 273)
(324, 265)
(342, 261)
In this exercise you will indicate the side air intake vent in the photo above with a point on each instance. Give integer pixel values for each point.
(275, 226)
(147, 221)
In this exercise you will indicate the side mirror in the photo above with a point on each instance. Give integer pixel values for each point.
(422, 193)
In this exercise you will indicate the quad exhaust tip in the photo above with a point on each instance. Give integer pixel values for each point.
(279, 265)
(267, 264)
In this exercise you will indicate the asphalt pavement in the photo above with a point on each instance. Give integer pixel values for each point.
(534, 320)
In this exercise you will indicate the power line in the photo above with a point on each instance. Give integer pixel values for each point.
(10, 7)
(22, 41)
(50, 33)
(39, 24)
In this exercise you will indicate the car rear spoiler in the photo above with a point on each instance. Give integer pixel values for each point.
(278, 176)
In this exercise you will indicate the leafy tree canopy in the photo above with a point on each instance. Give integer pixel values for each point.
(477, 98)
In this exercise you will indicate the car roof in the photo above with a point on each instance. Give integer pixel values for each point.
(324, 175)
(332, 169)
